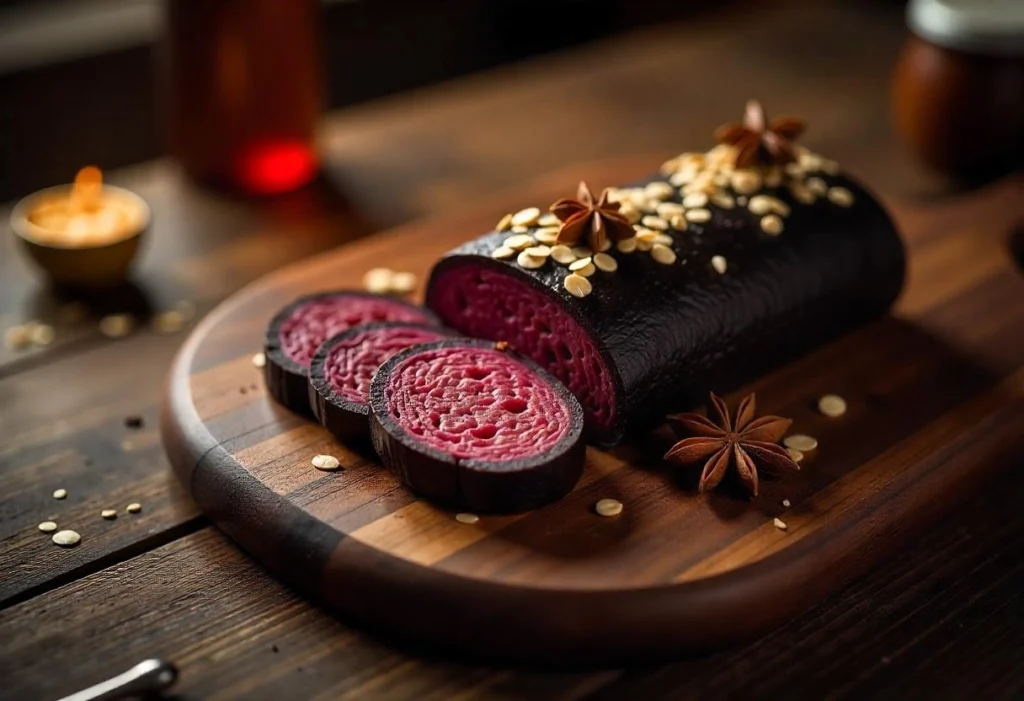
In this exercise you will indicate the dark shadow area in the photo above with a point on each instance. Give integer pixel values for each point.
(1016, 244)
(128, 298)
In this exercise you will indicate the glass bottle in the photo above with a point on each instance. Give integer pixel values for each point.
(243, 88)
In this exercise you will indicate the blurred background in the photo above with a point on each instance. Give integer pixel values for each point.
(79, 79)
(259, 133)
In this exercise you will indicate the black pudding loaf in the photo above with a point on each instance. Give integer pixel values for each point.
(746, 282)
(296, 332)
(476, 427)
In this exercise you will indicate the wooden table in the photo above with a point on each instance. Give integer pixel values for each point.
(945, 619)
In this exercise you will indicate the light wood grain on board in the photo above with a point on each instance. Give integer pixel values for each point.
(891, 463)
(953, 277)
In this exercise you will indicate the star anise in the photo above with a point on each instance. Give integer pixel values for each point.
(760, 142)
(747, 443)
(596, 221)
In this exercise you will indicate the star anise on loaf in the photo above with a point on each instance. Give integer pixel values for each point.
(596, 221)
(760, 142)
(745, 442)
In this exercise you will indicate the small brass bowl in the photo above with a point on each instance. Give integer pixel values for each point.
(90, 266)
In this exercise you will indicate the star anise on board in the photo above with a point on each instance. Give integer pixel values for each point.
(745, 442)
(760, 142)
(596, 221)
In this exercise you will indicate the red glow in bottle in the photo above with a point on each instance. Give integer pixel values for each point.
(244, 91)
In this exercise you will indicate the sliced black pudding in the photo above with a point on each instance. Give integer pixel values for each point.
(297, 331)
(475, 427)
(344, 365)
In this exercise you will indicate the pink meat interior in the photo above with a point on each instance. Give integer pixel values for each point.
(476, 403)
(351, 363)
(317, 320)
(485, 303)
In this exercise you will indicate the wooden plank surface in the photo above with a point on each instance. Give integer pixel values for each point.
(907, 446)
(949, 612)
(940, 621)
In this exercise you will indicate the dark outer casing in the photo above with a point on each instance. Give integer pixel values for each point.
(476, 485)
(287, 381)
(668, 333)
(345, 419)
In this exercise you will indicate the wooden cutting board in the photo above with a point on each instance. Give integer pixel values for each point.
(936, 402)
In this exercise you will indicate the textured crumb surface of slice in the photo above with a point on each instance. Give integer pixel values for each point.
(468, 424)
(489, 304)
(350, 363)
(296, 332)
(314, 321)
(344, 365)
(476, 404)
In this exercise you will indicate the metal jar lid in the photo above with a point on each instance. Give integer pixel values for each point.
(986, 27)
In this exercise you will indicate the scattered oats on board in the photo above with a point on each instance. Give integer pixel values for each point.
(800, 442)
(133, 508)
(378, 280)
(832, 405)
(608, 507)
(60, 494)
(467, 518)
(786, 503)
(259, 360)
(780, 524)
(796, 455)
(109, 514)
(66, 539)
(41, 335)
(117, 325)
(17, 337)
(170, 321)
(325, 462)
(719, 264)
(47, 526)
(403, 282)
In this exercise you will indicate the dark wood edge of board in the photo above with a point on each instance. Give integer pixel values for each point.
(546, 627)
